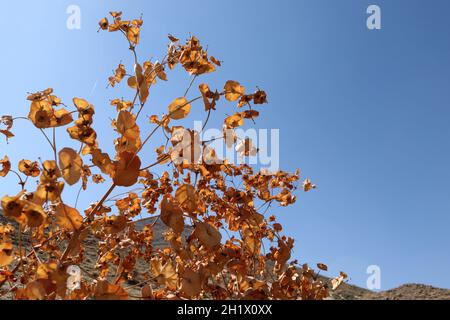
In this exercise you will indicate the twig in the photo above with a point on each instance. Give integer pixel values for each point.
(77, 233)
(190, 85)
(46, 137)
(54, 143)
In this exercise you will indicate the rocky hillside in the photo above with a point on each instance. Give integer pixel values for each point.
(410, 292)
(345, 292)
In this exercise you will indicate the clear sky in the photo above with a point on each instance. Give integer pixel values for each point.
(365, 114)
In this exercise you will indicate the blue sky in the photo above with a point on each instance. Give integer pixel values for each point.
(363, 113)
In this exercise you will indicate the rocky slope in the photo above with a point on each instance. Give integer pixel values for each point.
(345, 292)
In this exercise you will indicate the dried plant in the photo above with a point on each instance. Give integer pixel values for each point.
(199, 191)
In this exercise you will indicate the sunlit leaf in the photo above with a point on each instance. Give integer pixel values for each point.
(179, 108)
(71, 165)
(233, 90)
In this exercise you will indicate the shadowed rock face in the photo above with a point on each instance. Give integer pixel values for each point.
(158, 229)
(404, 292)
(90, 244)
(345, 292)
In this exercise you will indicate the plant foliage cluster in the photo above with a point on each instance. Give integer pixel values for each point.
(198, 190)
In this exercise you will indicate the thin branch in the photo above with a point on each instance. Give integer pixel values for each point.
(77, 233)
(46, 137)
(14, 270)
(54, 143)
(20, 248)
(190, 85)
(139, 284)
(78, 196)
(21, 182)
(207, 119)
(166, 157)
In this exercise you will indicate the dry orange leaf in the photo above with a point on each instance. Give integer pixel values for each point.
(6, 166)
(251, 241)
(48, 191)
(208, 235)
(41, 113)
(60, 118)
(250, 114)
(159, 70)
(119, 74)
(83, 133)
(28, 168)
(208, 95)
(133, 34)
(172, 38)
(187, 198)
(322, 266)
(165, 274)
(179, 108)
(215, 61)
(191, 283)
(126, 169)
(50, 171)
(337, 282)
(234, 121)
(8, 134)
(171, 214)
(259, 97)
(12, 206)
(102, 161)
(308, 185)
(34, 214)
(147, 292)
(83, 106)
(6, 254)
(68, 218)
(71, 165)
(233, 90)
(126, 125)
(115, 224)
(132, 83)
(107, 291)
(104, 24)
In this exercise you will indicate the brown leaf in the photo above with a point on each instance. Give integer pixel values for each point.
(71, 165)
(126, 169)
(191, 283)
(234, 121)
(187, 198)
(28, 168)
(233, 90)
(68, 218)
(322, 266)
(34, 214)
(107, 291)
(172, 38)
(115, 224)
(308, 185)
(6, 166)
(104, 24)
(171, 214)
(165, 274)
(6, 254)
(179, 108)
(208, 235)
